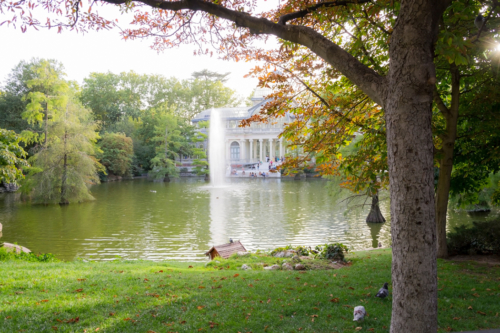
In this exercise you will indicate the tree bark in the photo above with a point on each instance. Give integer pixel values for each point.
(375, 215)
(63, 200)
(166, 178)
(446, 160)
(46, 124)
(410, 149)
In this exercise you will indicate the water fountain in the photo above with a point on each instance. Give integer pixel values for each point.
(216, 146)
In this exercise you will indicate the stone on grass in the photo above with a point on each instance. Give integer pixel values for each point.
(272, 268)
(286, 266)
(243, 254)
(300, 267)
(15, 248)
(245, 267)
(284, 254)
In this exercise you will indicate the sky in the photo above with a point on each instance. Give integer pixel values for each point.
(106, 51)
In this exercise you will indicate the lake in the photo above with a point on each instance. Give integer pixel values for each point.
(182, 219)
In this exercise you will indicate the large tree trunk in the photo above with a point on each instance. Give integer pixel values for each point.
(410, 157)
(446, 163)
(375, 215)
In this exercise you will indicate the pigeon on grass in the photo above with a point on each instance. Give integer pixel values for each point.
(383, 292)
(359, 313)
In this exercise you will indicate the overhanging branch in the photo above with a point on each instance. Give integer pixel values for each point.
(304, 12)
(370, 82)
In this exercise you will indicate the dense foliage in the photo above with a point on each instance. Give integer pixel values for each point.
(117, 153)
(334, 251)
(481, 238)
(12, 157)
(65, 167)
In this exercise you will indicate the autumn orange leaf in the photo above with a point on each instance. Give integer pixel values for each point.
(236, 275)
(199, 307)
(78, 290)
(44, 300)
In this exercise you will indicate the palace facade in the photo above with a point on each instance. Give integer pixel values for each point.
(247, 145)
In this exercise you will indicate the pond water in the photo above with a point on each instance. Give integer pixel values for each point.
(182, 219)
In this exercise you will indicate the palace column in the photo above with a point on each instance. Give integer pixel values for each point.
(261, 141)
(255, 150)
(242, 149)
(251, 150)
(228, 150)
(281, 148)
(271, 150)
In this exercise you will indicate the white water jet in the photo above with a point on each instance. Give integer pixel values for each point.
(216, 145)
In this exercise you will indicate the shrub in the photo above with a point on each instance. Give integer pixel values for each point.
(117, 152)
(43, 257)
(302, 251)
(280, 249)
(482, 238)
(334, 251)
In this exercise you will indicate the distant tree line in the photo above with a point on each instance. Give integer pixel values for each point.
(58, 138)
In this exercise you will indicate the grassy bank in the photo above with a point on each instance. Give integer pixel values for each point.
(171, 297)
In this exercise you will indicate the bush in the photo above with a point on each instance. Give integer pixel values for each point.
(280, 249)
(117, 152)
(43, 257)
(482, 238)
(302, 251)
(334, 251)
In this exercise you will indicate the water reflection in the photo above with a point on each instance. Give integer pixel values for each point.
(182, 219)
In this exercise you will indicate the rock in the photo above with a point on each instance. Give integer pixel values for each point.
(296, 258)
(245, 267)
(300, 267)
(284, 254)
(286, 266)
(13, 247)
(243, 254)
(217, 261)
(4, 187)
(273, 268)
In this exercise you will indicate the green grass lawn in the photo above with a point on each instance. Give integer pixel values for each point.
(171, 297)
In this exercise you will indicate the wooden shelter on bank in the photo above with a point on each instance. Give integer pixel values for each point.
(225, 250)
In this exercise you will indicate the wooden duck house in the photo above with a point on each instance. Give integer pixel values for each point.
(225, 250)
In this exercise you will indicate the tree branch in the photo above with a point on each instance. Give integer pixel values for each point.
(304, 12)
(370, 82)
(440, 104)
